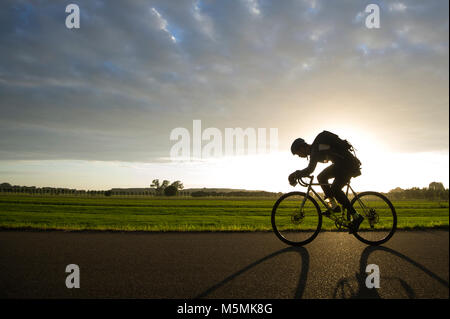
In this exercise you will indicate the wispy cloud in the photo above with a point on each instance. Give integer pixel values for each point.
(162, 24)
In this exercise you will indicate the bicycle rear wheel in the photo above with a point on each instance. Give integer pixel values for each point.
(380, 218)
(296, 219)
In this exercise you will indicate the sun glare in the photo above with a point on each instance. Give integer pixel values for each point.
(382, 170)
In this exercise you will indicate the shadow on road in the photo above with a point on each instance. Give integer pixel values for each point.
(301, 282)
(344, 288)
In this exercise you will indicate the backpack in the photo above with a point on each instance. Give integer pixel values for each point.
(338, 143)
(344, 146)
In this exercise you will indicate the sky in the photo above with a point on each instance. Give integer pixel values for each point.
(94, 107)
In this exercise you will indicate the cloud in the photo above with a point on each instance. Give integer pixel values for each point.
(397, 6)
(115, 88)
(162, 24)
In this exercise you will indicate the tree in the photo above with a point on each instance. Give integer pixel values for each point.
(159, 188)
(170, 190)
(178, 185)
(435, 186)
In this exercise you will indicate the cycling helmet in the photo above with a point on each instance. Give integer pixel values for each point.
(296, 144)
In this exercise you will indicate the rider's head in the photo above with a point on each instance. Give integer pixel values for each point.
(300, 147)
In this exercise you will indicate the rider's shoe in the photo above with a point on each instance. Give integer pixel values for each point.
(354, 226)
(332, 205)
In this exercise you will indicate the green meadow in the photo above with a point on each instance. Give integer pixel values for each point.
(140, 213)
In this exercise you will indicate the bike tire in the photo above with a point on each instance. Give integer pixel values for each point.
(276, 229)
(391, 212)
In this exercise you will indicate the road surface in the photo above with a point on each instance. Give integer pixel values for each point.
(413, 264)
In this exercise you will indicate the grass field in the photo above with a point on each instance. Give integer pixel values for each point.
(175, 214)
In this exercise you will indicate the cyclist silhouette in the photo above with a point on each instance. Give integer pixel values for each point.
(329, 147)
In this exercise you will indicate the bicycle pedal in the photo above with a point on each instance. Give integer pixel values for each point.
(337, 209)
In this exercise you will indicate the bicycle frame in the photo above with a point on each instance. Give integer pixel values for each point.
(310, 189)
(310, 184)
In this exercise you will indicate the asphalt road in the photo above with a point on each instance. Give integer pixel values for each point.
(412, 264)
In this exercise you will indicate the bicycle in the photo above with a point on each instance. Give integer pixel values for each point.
(297, 217)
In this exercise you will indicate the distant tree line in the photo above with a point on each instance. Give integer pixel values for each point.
(156, 189)
(234, 194)
(8, 188)
(15, 189)
(435, 191)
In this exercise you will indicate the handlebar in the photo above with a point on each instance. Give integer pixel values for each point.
(303, 183)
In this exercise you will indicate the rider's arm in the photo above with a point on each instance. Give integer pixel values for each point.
(312, 165)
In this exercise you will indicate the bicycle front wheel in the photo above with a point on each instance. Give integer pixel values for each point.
(380, 219)
(296, 219)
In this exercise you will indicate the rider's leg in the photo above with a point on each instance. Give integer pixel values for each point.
(343, 176)
(336, 188)
(323, 178)
(341, 179)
